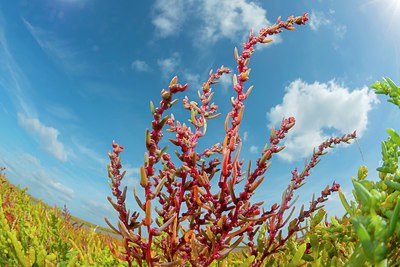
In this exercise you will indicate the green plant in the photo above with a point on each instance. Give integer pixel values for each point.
(376, 218)
(33, 235)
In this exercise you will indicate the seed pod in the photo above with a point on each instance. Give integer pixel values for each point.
(248, 92)
(265, 157)
(173, 102)
(236, 54)
(239, 119)
(226, 123)
(146, 159)
(173, 81)
(160, 186)
(143, 177)
(148, 213)
(147, 138)
(256, 184)
(152, 107)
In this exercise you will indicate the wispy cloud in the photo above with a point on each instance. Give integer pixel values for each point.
(140, 65)
(319, 107)
(61, 52)
(193, 80)
(340, 31)
(131, 177)
(90, 153)
(62, 112)
(94, 208)
(318, 19)
(245, 136)
(168, 66)
(253, 149)
(12, 78)
(24, 167)
(47, 136)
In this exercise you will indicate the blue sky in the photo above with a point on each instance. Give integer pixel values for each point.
(77, 74)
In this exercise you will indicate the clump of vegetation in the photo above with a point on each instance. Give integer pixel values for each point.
(38, 235)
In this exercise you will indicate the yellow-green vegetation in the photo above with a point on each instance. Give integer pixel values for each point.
(39, 235)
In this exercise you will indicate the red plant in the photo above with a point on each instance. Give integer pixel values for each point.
(216, 222)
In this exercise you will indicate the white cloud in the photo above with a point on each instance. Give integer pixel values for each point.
(253, 149)
(318, 19)
(58, 50)
(245, 136)
(26, 169)
(95, 208)
(340, 31)
(28, 158)
(140, 65)
(216, 19)
(319, 107)
(231, 19)
(47, 135)
(168, 16)
(193, 80)
(12, 78)
(168, 66)
(101, 160)
(226, 82)
(47, 183)
(131, 177)
(62, 112)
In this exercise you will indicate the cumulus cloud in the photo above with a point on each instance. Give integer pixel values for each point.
(217, 19)
(168, 16)
(140, 65)
(319, 108)
(231, 19)
(47, 135)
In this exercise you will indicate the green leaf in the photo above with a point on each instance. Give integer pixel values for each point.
(394, 219)
(393, 185)
(247, 262)
(261, 238)
(364, 195)
(358, 258)
(395, 136)
(297, 258)
(334, 221)
(392, 84)
(364, 237)
(345, 203)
